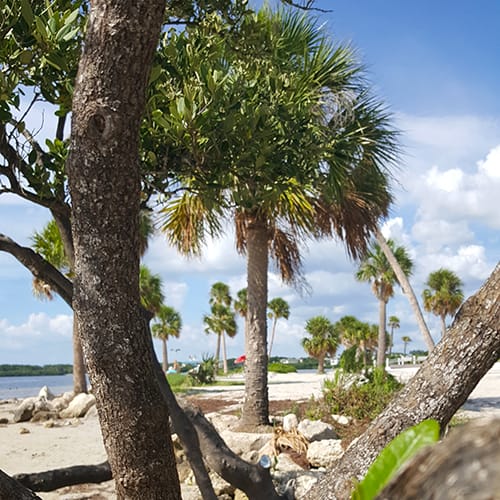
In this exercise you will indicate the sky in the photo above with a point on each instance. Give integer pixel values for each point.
(435, 64)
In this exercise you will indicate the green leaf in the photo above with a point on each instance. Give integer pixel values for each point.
(394, 456)
(26, 12)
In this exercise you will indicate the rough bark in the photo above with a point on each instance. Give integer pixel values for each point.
(407, 289)
(79, 370)
(438, 389)
(465, 465)
(11, 489)
(164, 351)
(58, 478)
(104, 180)
(256, 405)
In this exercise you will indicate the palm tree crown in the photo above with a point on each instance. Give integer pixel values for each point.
(278, 308)
(323, 340)
(168, 324)
(444, 294)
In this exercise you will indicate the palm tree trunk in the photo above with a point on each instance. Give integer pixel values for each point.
(217, 355)
(256, 404)
(391, 341)
(164, 351)
(224, 355)
(381, 334)
(272, 336)
(443, 325)
(79, 378)
(321, 363)
(407, 289)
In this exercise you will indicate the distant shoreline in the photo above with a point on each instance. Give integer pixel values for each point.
(34, 370)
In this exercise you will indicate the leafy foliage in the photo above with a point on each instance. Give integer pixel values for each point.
(204, 373)
(277, 367)
(394, 456)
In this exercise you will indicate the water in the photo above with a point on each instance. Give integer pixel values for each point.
(24, 387)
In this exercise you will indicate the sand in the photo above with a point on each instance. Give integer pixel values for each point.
(32, 447)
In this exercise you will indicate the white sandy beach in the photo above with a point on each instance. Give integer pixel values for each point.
(32, 447)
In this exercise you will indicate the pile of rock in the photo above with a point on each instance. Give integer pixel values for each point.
(46, 406)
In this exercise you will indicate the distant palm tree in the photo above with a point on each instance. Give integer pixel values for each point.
(393, 324)
(354, 332)
(444, 294)
(324, 340)
(376, 269)
(222, 320)
(168, 324)
(406, 340)
(150, 290)
(241, 303)
(278, 308)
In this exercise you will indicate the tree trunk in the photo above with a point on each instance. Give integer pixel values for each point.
(164, 357)
(79, 378)
(443, 325)
(104, 181)
(466, 462)
(11, 489)
(217, 355)
(321, 363)
(438, 389)
(224, 353)
(272, 336)
(381, 334)
(256, 405)
(407, 289)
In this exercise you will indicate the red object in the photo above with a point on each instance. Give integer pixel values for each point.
(241, 359)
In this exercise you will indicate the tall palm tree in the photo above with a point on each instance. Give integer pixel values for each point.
(323, 340)
(404, 282)
(49, 244)
(444, 294)
(406, 340)
(376, 269)
(168, 324)
(393, 324)
(306, 147)
(222, 320)
(278, 308)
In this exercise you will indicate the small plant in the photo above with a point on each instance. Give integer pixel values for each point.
(350, 361)
(179, 382)
(281, 368)
(204, 372)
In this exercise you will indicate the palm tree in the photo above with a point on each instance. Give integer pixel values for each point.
(393, 323)
(150, 290)
(407, 289)
(306, 156)
(375, 268)
(354, 332)
(444, 294)
(324, 340)
(278, 308)
(406, 340)
(168, 324)
(222, 320)
(49, 244)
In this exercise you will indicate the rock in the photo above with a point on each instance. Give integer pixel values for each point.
(221, 487)
(324, 453)
(79, 406)
(290, 422)
(91, 413)
(62, 402)
(222, 421)
(23, 430)
(45, 393)
(285, 463)
(244, 442)
(240, 495)
(304, 482)
(342, 419)
(4, 421)
(25, 410)
(43, 415)
(315, 430)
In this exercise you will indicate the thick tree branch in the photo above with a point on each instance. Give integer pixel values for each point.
(39, 267)
(10, 488)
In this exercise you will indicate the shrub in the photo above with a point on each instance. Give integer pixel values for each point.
(359, 396)
(204, 373)
(350, 361)
(281, 368)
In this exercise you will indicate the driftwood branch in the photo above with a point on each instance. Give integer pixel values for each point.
(67, 476)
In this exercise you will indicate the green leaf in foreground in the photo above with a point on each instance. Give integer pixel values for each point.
(393, 456)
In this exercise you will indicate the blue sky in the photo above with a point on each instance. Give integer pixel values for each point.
(436, 66)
